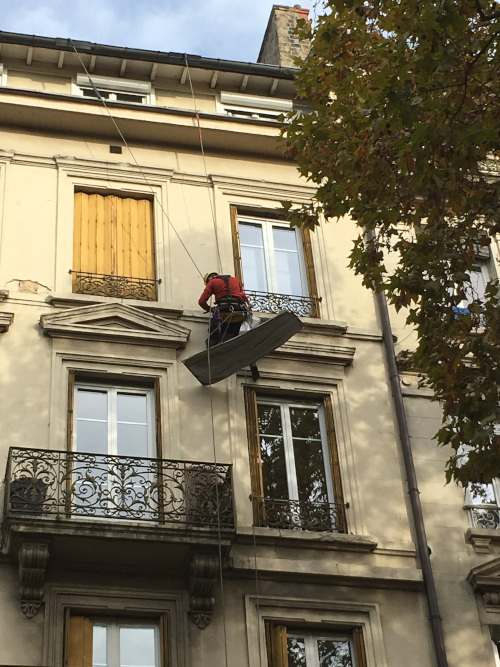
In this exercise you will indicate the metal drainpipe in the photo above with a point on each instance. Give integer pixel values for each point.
(416, 508)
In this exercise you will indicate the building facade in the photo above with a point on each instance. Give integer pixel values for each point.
(147, 520)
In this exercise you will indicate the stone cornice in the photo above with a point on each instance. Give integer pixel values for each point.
(114, 323)
(6, 320)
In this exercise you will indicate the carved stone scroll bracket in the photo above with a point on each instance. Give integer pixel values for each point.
(202, 577)
(491, 599)
(32, 563)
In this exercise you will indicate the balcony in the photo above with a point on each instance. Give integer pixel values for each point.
(484, 516)
(94, 512)
(44, 484)
(270, 302)
(122, 287)
(300, 515)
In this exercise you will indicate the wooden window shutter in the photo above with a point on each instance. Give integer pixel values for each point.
(159, 452)
(309, 263)
(277, 646)
(71, 408)
(235, 233)
(254, 451)
(79, 647)
(359, 647)
(113, 236)
(334, 458)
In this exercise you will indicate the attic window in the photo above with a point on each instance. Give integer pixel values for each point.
(252, 106)
(116, 90)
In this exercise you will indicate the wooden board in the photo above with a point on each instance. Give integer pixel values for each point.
(221, 361)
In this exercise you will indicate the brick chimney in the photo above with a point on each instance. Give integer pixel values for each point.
(280, 45)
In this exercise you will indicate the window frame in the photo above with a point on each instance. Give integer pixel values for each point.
(256, 476)
(114, 87)
(304, 247)
(277, 634)
(150, 387)
(112, 390)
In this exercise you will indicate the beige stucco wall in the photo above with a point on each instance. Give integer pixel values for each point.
(38, 174)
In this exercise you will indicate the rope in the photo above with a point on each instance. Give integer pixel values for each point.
(164, 213)
(204, 162)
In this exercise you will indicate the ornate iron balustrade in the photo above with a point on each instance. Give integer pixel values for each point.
(43, 483)
(123, 287)
(269, 302)
(300, 515)
(484, 516)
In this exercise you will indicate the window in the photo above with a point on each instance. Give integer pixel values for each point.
(252, 106)
(275, 264)
(117, 90)
(112, 643)
(114, 420)
(294, 464)
(290, 647)
(482, 503)
(475, 290)
(113, 246)
(112, 436)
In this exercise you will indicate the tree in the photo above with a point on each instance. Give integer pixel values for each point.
(403, 137)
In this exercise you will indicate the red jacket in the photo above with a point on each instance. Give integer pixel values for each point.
(217, 287)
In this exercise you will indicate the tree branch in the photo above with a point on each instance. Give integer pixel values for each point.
(482, 15)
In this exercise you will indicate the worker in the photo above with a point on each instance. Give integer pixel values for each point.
(232, 306)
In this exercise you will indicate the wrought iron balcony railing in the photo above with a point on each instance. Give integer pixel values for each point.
(269, 302)
(484, 516)
(300, 515)
(123, 287)
(48, 484)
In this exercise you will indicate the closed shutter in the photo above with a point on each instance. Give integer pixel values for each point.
(235, 234)
(254, 452)
(359, 647)
(113, 236)
(79, 647)
(334, 463)
(310, 273)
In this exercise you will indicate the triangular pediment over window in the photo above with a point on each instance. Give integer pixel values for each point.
(114, 323)
(485, 579)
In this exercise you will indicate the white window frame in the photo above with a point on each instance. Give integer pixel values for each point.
(285, 406)
(474, 503)
(482, 269)
(311, 646)
(113, 628)
(113, 88)
(112, 391)
(267, 225)
(252, 106)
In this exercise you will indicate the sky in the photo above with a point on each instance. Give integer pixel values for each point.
(227, 29)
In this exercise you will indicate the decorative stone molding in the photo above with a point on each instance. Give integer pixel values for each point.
(202, 577)
(485, 579)
(4, 294)
(491, 599)
(114, 323)
(32, 563)
(6, 320)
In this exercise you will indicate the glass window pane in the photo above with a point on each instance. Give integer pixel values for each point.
(334, 653)
(296, 652)
(272, 452)
(481, 494)
(252, 257)
(92, 437)
(132, 408)
(132, 440)
(285, 239)
(477, 285)
(310, 471)
(92, 404)
(287, 265)
(305, 423)
(137, 647)
(99, 658)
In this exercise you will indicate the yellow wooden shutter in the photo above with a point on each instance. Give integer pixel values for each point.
(310, 273)
(254, 452)
(359, 647)
(235, 233)
(334, 458)
(113, 236)
(277, 646)
(79, 647)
